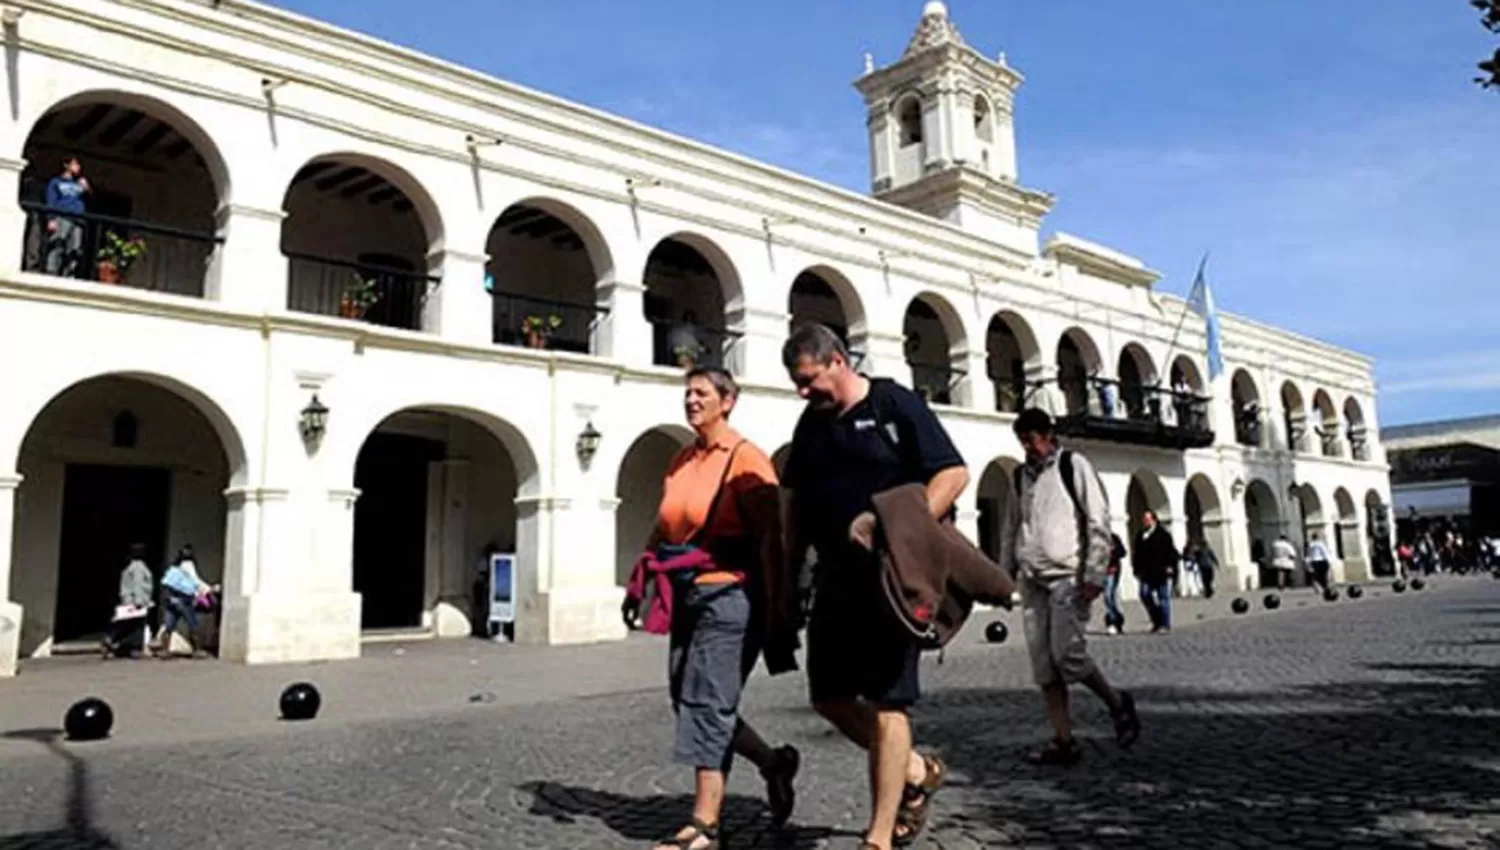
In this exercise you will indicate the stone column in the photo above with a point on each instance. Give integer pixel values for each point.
(757, 355)
(248, 270)
(10, 612)
(980, 393)
(448, 576)
(879, 123)
(458, 308)
(12, 218)
(885, 356)
(624, 334)
(1042, 390)
(568, 593)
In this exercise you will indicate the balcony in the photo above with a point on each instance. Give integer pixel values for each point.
(120, 251)
(1136, 415)
(376, 294)
(935, 381)
(687, 344)
(545, 323)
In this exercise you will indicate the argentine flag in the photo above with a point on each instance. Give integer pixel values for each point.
(1201, 301)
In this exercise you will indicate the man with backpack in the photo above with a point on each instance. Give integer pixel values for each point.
(1058, 545)
(860, 437)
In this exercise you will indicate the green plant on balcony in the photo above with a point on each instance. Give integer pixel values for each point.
(117, 255)
(358, 297)
(538, 330)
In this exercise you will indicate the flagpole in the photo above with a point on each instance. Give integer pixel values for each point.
(1187, 307)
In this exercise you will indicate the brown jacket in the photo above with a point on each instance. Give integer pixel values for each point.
(931, 573)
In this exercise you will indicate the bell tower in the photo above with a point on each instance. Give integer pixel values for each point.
(942, 134)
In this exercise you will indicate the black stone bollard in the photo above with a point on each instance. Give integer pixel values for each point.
(996, 632)
(300, 702)
(1355, 591)
(1417, 584)
(1331, 595)
(88, 719)
(1272, 601)
(1239, 606)
(1399, 586)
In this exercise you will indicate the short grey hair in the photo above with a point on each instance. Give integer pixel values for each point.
(815, 341)
(723, 383)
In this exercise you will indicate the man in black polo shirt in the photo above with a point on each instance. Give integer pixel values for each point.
(859, 437)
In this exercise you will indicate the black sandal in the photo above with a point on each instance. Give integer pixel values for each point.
(916, 802)
(1127, 722)
(698, 830)
(781, 794)
(1056, 753)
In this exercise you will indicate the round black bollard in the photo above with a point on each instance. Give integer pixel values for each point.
(996, 632)
(1355, 591)
(1272, 601)
(88, 720)
(1239, 606)
(1417, 584)
(1331, 595)
(1399, 586)
(300, 702)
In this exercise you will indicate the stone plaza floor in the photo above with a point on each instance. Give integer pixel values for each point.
(1370, 723)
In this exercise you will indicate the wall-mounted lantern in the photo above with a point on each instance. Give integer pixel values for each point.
(588, 444)
(313, 423)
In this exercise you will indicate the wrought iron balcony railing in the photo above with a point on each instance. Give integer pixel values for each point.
(122, 251)
(1105, 409)
(379, 295)
(688, 344)
(546, 323)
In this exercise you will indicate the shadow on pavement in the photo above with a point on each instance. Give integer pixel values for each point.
(1399, 764)
(646, 819)
(79, 834)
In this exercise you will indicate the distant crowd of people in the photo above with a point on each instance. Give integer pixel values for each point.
(1441, 547)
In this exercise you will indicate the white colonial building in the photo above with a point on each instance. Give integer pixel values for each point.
(473, 277)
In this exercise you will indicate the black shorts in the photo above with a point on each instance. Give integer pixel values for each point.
(855, 647)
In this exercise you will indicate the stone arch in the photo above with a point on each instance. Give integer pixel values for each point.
(86, 497)
(154, 175)
(1347, 540)
(823, 294)
(1146, 493)
(936, 348)
(1327, 423)
(1204, 512)
(1245, 397)
(1078, 368)
(358, 234)
(1185, 372)
(638, 487)
(1137, 376)
(1294, 416)
(984, 119)
(438, 485)
(1357, 431)
(547, 262)
(996, 489)
(1263, 524)
(1013, 356)
(694, 301)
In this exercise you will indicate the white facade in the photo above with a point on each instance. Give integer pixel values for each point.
(309, 159)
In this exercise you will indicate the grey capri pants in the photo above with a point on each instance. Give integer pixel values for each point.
(714, 644)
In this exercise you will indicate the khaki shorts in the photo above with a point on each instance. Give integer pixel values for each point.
(1054, 618)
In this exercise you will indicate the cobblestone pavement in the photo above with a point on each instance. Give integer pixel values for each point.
(1352, 724)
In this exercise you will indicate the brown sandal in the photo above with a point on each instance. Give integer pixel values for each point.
(916, 802)
(696, 830)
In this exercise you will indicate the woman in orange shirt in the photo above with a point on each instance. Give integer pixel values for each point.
(720, 498)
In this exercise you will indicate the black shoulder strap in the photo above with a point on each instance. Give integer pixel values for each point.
(713, 507)
(1065, 466)
(879, 401)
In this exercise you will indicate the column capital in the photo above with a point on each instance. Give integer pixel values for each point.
(16, 165)
(238, 496)
(10, 481)
(227, 211)
(445, 255)
(345, 496)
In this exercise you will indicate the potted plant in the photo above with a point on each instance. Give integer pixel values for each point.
(357, 298)
(687, 356)
(539, 329)
(117, 255)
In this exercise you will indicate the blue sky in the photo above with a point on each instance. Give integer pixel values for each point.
(1331, 154)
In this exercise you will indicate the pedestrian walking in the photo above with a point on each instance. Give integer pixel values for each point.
(127, 633)
(1208, 565)
(183, 592)
(1114, 615)
(717, 546)
(1155, 564)
(1318, 561)
(1283, 561)
(859, 437)
(1058, 545)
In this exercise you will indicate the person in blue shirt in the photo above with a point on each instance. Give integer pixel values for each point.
(65, 232)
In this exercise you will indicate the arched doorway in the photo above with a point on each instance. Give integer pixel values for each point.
(693, 303)
(1294, 417)
(1145, 493)
(436, 489)
(1328, 425)
(1012, 355)
(357, 236)
(1378, 530)
(1206, 523)
(546, 263)
(1262, 527)
(109, 463)
(1358, 434)
(1312, 522)
(1245, 397)
(996, 489)
(826, 297)
(154, 183)
(1077, 370)
(1138, 382)
(638, 488)
(936, 349)
(1346, 539)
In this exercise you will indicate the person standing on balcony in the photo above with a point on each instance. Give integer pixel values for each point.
(717, 547)
(65, 232)
(859, 437)
(1155, 561)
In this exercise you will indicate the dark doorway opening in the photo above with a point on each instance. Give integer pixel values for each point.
(390, 529)
(106, 509)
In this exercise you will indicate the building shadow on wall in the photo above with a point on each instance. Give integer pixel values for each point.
(1404, 763)
(746, 821)
(79, 832)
